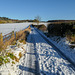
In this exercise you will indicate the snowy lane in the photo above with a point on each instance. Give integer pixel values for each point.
(50, 62)
(30, 63)
(42, 57)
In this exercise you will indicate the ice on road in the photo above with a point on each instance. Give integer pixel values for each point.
(42, 59)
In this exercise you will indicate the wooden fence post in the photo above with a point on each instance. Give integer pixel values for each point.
(16, 35)
(13, 34)
(1, 38)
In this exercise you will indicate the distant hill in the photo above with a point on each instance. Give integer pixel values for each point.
(8, 20)
(61, 21)
(4, 18)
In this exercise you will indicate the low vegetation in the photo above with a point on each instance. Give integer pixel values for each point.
(64, 30)
(1, 60)
(41, 27)
(60, 28)
(8, 20)
(5, 59)
(21, 36)
(20, 55)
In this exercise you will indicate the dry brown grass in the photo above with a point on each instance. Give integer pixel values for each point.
(20, 55)
(71, 38)
(12, 56)
(21, 35)
(8, 42)
(6, 21)
(3, 21)
(16, 59)
(22, 41)
(41, 27)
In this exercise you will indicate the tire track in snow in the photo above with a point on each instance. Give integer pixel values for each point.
(30, 63)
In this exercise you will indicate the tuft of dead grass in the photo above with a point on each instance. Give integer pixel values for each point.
(20, 55)
(22, 41)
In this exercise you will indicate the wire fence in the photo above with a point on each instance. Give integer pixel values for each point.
(10, 37)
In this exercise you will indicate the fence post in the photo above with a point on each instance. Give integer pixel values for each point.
(1, 38)
(13, 34)
(16, 35)
(29, 27)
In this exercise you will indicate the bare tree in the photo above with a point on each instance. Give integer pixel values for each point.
(38, 19)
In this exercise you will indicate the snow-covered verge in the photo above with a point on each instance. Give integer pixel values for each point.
(62, 46)
(63, 42)
(50, 62)
(11, 68)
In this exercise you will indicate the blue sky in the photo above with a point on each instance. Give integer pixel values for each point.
(46, 9)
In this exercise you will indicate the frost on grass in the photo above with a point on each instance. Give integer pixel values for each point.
(64, 46)
(12, 58)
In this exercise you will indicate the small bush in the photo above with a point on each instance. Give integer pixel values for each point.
(16, 59)
(14, 42)
(1, 49)
(1, 60)
(11, 56)
(20, 55)
(13, 62)
(22, 41)
(6, 60)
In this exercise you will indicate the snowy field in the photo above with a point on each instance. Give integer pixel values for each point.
(9, 27)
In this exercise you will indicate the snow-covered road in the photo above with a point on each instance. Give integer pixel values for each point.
(42, 57)
(30, 64)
